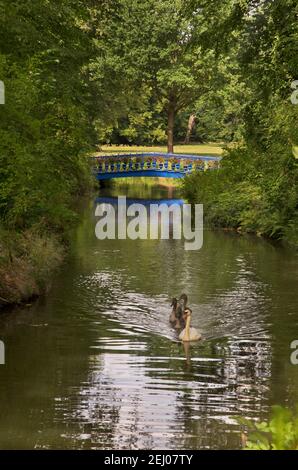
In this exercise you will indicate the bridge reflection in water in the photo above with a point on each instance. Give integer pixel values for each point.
(165, 165)
(145, 202)
(160, 225)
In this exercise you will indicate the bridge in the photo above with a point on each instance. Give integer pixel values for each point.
(164, 165)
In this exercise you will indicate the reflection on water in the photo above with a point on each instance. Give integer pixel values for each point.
(97, 365)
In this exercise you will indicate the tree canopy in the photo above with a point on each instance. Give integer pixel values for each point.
(81, 73)
(257, 188)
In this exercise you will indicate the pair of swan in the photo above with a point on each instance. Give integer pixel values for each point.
(181, 317)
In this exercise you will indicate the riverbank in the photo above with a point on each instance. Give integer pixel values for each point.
(249, 196)
(28, 261)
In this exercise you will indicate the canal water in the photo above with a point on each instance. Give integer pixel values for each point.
(96, 364)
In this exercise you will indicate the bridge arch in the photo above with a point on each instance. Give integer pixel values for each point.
(165, 165)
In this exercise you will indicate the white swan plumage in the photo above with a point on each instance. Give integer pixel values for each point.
(189, 333)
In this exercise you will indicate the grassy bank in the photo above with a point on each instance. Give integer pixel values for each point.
(28, 261)
(200, 149)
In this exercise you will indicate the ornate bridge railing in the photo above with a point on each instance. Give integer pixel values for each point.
(166, 165)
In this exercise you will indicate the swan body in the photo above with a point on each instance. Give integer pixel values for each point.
(194, 335)
(173, 314)
(176, 316)
(189, 333)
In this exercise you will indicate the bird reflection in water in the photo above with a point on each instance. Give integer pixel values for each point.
(187, 352)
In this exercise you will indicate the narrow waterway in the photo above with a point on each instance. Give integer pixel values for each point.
(96, 364)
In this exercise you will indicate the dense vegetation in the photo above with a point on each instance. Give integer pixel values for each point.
(80, 73)
(47, 126)
(224, 70)
(169, 52)
(257, 188)
(280, 433)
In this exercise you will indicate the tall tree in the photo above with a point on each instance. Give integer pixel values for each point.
(257, 187)
(48, 120)
(166, 44)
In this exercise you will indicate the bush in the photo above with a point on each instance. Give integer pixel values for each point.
(27, 262)
(249, 194)
(281, 433)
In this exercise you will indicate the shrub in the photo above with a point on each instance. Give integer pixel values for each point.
(280, 433)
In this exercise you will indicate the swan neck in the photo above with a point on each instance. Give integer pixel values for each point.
(187, 326)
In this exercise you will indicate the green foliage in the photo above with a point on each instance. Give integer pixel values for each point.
(164, 49)
(248, 194)
(144, 123)
(79, 73)
(257, 187)
(48, 125)
(280, 433)
(27, 262)
(53, 107)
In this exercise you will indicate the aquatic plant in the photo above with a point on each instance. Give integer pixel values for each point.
(280, 433)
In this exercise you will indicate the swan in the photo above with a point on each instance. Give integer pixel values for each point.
(173, 317)
(189, 333)
(179, 306)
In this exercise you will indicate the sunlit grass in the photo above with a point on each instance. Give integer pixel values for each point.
(196, 149)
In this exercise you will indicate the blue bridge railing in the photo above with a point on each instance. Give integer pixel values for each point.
(167, 165)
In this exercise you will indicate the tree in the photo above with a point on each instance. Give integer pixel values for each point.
(190, 126)
(166, 44)
(257, 187)
(48, 122)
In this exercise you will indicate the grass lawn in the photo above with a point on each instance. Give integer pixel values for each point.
(196, 149)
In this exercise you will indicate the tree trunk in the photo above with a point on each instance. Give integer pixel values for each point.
(171, 120)
(190, 126)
